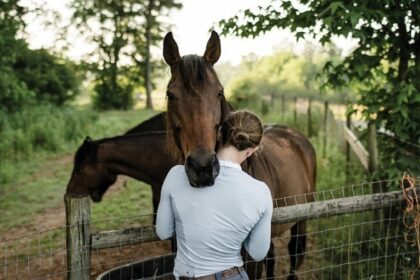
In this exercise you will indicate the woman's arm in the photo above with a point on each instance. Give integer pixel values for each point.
(165, 221)
(258, 241)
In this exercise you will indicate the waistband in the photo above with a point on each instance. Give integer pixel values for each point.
(222, 274)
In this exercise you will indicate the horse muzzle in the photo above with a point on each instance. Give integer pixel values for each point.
(202, 168)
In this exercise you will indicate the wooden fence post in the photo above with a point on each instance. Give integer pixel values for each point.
(309, 117)
(78, 237)
(348, 158)
(373, 154)
(294, 110)
(325, 128)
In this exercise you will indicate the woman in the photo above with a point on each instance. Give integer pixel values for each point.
(211, 224)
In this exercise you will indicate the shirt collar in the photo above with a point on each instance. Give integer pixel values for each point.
(228, 163)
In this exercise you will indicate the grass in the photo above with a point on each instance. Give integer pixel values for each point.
(38, 181)
(130, 207)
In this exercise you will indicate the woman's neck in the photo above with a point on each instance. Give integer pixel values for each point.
(230, 153)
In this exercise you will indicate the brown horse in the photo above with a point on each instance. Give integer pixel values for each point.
(196, 108)
(140, 154)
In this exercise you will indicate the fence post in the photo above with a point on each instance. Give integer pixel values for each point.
(373, 153)
(78, 237)
(309, 117)
(294, 110)
(348, 159)
(325, 128)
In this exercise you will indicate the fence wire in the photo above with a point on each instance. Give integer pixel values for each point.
(359, 245)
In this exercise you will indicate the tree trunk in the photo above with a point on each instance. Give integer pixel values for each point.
(148, 70)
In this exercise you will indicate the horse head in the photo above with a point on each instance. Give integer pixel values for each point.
(196, 108)
(90, 175)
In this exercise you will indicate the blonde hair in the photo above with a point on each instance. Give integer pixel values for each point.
(241, 129)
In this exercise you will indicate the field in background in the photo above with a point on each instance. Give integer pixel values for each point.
(34, 180)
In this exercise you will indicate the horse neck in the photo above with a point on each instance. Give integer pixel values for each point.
(132, 156)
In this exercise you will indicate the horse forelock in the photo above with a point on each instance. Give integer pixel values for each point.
(191, 70)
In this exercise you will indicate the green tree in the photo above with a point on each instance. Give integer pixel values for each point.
(50, 78)
(123, 32)
(106, 24)
(152, 35)
(386, 61)
(13, 92)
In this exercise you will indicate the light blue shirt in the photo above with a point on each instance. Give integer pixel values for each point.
(212, 223)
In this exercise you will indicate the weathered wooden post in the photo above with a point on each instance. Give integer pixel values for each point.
(372, 147)
(294, 110)
(373, 154)
(78, 237)
(324, 142)
(348, 158)
(309, 117)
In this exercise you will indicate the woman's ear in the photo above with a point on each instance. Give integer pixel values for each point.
(250, 151)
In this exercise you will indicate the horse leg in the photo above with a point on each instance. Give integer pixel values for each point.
(270, 262)
(297, 247)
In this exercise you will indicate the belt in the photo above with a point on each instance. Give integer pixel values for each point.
(225, 274)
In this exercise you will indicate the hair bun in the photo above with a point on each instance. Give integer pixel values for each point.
(242, 135)
(239, 137)
(242, 129)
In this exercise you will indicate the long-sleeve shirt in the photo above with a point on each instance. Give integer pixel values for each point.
(212, 223)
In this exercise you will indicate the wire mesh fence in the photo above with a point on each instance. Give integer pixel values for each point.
(372, 244)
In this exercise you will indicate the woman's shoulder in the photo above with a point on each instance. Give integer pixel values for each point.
(255, 182)
(177, 169)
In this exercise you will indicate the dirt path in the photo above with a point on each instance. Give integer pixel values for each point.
(53, 217)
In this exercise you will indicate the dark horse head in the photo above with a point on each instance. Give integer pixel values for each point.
(196, 108)
(90, 175)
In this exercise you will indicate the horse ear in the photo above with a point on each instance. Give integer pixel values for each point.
(213, 49)
(88, 146)
(170, 50)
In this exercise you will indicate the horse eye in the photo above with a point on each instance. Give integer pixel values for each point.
(220, 94)
(170, 96)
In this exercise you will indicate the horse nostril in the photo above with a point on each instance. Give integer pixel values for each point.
(190, 162)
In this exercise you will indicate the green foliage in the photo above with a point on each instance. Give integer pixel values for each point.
(52, 79)
(385, 64)
(282, 73)
(107, 98)
(14, 93)
(29, 76)
(41, 128)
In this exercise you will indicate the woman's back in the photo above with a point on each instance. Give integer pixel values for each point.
(212, 223)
